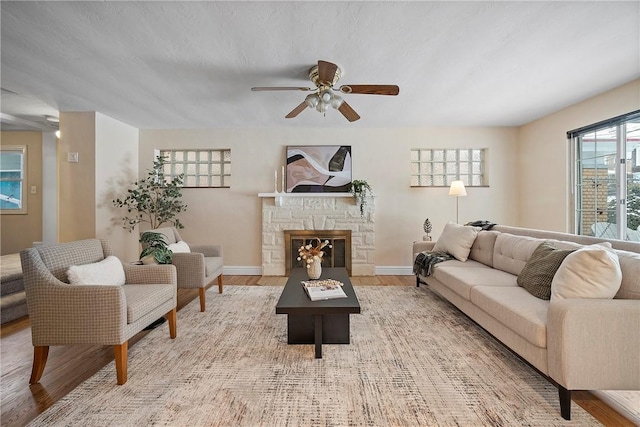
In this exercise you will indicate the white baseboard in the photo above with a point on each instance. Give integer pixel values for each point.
(388, 270)
(249, 270)
(242, 270)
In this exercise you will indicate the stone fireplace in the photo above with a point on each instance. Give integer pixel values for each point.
(316, 214)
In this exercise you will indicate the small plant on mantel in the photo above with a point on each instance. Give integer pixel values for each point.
(361, 192)
(154, 200)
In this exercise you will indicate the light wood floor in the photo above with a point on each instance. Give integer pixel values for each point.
(68, 366)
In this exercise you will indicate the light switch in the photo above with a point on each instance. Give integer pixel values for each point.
(72, 157)
(34, 189)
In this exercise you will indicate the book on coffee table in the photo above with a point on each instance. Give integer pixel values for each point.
(324, 289)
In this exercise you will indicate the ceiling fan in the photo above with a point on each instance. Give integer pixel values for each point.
(325, 75)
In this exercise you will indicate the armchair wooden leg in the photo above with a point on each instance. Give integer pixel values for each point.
(40, 354)
(220, 284)
(202, 299)
(565, 402)
(171, 317)
(121, 361)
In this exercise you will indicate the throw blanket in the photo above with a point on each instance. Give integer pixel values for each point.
(485, 225)
(425, 260)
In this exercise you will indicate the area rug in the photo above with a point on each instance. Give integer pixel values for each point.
(414, 360)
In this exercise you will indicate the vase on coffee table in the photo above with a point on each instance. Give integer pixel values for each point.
(314, 268)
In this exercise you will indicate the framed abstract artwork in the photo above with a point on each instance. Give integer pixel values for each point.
(318, 169)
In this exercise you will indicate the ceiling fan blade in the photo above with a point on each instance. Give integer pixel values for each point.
(371, 89)
(348, 112)
(266, 88)
(299, 109)
(326, 72)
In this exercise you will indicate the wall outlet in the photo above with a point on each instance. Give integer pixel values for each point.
(34, 189)
(72, 157)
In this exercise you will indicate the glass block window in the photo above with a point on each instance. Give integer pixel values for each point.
(201, 168)
(13, 194)
(437, 167)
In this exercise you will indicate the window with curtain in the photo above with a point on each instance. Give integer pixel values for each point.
(606, 174)
(13, 164)
(201, 168)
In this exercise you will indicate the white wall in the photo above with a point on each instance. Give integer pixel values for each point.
(543, 161)
(232, 217)
(49, 188)
(116, 168)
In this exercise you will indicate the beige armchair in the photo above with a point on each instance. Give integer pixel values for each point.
(198, 268)
(62, 313)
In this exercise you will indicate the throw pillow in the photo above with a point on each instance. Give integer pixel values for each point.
(456, 240)
(179, 247)
(590, 272)
(109, 271)
(538, 272)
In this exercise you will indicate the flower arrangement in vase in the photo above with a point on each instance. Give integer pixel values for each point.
(312, 255)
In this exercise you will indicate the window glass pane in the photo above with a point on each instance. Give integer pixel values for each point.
(454, 163)
(216, 181)
(197, 167)
(414, 155)
(426, 180)
(215, 156)
(415, 180)
(12, 188)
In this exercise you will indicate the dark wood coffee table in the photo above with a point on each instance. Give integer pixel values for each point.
(317, 322)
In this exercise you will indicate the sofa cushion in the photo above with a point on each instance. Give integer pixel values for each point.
(483, 246)
(456, 240)
(143, 299)
(590, 272)
(538, 272)
(630, 266)
(212, 265)
(511, 252)
(109, 271)
(516, 308)
(461, 277)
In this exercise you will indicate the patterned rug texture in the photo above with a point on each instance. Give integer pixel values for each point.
(414, 360)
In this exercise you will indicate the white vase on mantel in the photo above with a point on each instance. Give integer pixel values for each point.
(314, 269)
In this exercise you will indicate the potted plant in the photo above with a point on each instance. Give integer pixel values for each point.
(361, 191)
(155, 249)
(154, 200)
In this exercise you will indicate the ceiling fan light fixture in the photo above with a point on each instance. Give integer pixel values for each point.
(337, 101)
(312, 100)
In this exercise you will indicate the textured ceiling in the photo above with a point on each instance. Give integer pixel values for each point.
(172, 65)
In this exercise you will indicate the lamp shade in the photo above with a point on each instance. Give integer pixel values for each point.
(457, 189)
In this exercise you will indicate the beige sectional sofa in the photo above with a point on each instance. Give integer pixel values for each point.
(580, 344)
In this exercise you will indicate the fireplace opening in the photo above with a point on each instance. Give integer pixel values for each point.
(339, 255)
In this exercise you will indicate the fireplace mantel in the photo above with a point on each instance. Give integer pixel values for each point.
(279, 196)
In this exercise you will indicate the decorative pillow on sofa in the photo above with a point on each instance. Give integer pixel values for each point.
(109, 271)
(590, 272)
(456, 240)
(538, 272)
(179, 247)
